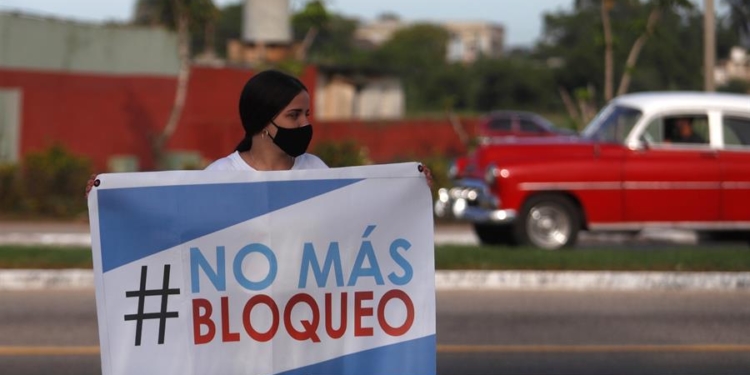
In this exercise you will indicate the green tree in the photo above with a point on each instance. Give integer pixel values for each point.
(228, 26)
(418, 54)
(181, 16)
(671, 60)
(202, 15)
(739, 19)
(324, 37)
(513, 84)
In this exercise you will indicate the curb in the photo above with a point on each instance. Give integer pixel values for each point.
(46, 279)
(591, 280)
(16, 280)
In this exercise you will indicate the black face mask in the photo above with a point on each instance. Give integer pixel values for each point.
(293, 141)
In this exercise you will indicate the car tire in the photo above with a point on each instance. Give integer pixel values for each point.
(709, 237)
(548, 221)
(493, 234)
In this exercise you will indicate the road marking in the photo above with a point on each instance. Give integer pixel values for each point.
(47, 350)
(589, 348)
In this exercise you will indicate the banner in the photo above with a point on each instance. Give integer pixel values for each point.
(292, 272)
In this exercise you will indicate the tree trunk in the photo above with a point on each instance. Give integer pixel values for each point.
(570, 106)
(635, 51)
(183, 41)
(209, 34)
(608, 60)
(306, 43)
(709, 45)
(459, 129)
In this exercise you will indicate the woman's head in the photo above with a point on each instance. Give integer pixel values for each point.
(262, 98)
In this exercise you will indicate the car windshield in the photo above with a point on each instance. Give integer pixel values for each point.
(612, 124)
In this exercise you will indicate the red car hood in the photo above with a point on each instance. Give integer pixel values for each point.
(501, 151)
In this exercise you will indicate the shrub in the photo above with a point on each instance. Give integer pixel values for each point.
(341, 154)
(439, 165)
(9, 189)
(52, 182)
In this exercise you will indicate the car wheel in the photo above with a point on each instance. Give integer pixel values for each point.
(724, 236)
(490, 234)
(549, 221)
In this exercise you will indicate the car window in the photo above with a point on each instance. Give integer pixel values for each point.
(499, 124)
(736, 131)
(682, 129)
(530, 126)
(612, 124)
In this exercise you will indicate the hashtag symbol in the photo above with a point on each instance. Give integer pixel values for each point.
(162, 315)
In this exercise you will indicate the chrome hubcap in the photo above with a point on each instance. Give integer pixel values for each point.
(548, 226)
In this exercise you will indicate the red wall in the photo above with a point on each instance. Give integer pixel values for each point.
(402, 139)
(104, 115)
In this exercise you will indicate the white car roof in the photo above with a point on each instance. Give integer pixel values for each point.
(684, 100)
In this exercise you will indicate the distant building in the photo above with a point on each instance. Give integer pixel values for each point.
(378, 32)
(736, 67)
(57, 77)
(343, 94)
(468, 40)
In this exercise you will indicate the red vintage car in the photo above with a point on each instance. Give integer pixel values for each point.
(665, 159)
(513, 124)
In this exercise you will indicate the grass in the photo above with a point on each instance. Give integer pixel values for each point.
(44, 257)
(686, 258)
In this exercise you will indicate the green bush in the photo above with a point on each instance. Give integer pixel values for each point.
(9, 189)
(439, 165)
(52, 183)
(341, 154)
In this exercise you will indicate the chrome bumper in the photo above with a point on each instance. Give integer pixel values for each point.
(471, 201)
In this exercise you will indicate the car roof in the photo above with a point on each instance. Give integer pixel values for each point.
(676, 100)
(507, 113)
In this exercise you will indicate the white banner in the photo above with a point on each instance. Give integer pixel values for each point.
(293, 272)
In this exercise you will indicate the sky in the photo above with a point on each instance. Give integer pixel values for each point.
(522, 19)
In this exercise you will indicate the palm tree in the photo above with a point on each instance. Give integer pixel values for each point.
(739, 19)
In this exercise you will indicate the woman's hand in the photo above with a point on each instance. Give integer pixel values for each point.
(90, 184)
(427, 173)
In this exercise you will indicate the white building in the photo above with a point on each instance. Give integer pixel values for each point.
(468, 39)
(737, 67)
(342, 95)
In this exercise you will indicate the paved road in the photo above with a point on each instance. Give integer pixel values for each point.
(488, 332)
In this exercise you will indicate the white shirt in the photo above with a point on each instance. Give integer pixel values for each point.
(234, 162)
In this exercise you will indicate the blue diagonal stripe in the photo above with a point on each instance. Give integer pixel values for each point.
(415, 357)
(138, 222)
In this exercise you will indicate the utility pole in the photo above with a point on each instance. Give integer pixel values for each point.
(709, 45)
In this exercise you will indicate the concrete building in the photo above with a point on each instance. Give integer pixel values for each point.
(343, 94)
(468, 39)
(104, 91)
(266, 33)
(45, 64)
(378, 32)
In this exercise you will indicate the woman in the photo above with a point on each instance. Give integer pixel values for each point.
(275, 112)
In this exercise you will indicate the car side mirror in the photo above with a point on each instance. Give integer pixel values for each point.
(639, 145)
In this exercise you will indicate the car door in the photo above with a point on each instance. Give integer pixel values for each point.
(734, 158)
(669, 181)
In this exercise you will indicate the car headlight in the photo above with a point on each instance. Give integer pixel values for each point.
(491, 173)
(443, 195)
(453, 170)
